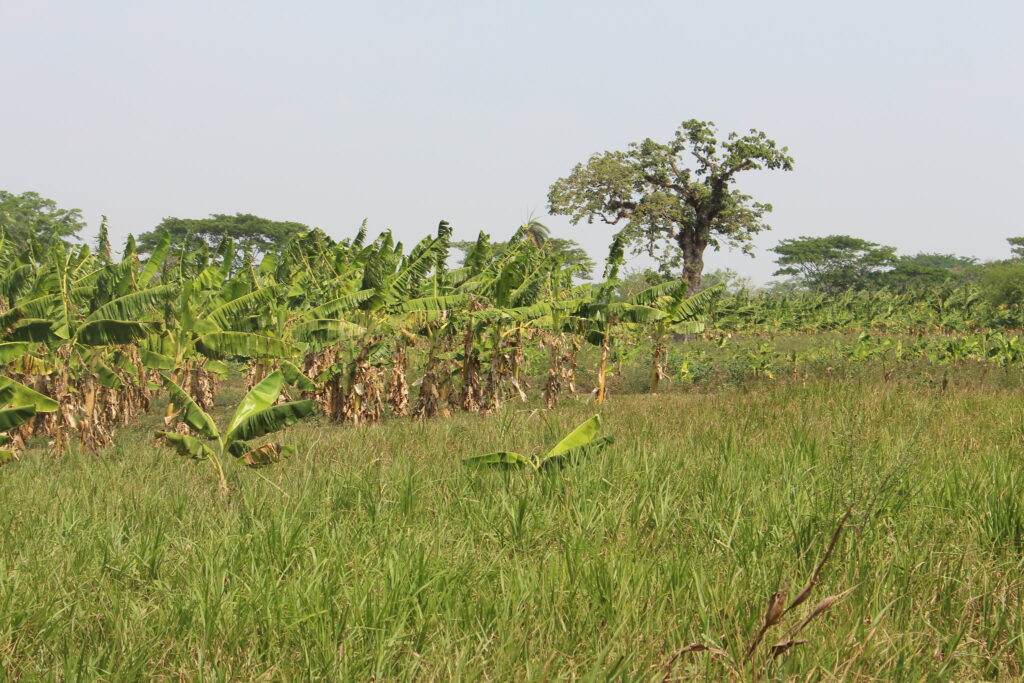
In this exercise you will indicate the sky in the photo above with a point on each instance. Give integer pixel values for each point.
(904, 117)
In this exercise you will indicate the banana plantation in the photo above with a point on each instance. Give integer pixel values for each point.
(361, 330)
(220, 351)
(354, 332)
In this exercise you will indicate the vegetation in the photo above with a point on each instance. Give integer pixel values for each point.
(833, 263)
(375, 553)
(28, 217)
(812, 481)
(350, 325)
(579, 443)
(665, 202)
(252, 236)
(258, 414)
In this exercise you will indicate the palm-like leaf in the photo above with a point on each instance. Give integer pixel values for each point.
(263, 395)
(271, 420)
(188, 446)
(327, 331)
(189, 412)
(10, 351)
(243, 345)
(18, 394)
(500, 458)
(110, 332)
(135, 305)
(14, 417)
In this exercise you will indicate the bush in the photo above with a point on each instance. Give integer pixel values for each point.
(1002, 283)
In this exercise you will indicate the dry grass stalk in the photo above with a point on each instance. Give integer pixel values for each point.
(781, 647)
(806, 592)
(772, 616)
(775, 612)
(692, 647)
(820, 608)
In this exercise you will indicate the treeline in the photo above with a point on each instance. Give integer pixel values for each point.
(828, 265)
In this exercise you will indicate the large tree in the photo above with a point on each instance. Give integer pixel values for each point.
(28, 216)
(926, 270)
(251, 234)
(676, 198)
(833, 263)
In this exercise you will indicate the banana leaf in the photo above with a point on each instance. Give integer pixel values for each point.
(111, 332)
(260, 397)
(188, 446)
(15, 417)
(189, 411)
(12, 351)
(271, 420)
(20, 395)
(500, 458)
(221, 345)
(294, 377)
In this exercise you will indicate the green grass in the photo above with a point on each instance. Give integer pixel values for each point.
(375, 554)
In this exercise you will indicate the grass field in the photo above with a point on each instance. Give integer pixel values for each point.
(374, 554)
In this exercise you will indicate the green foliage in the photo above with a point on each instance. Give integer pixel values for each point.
(927, 271)
(1002, 283)
(373, 556)
(568, 252)
(17, 394)
(251, 234)
(677, 198)
(580, 442)
(833, 263)
(257, 415)
(18, 405)
(636, 281)
(29, 217)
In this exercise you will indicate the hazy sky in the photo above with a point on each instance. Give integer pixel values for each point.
(905, 118)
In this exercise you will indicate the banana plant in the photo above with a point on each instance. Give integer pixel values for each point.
(18, 405)
(256, 416)
(682, 316)
(577, 444)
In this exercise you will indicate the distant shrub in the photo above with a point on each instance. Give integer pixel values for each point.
(1002, 283)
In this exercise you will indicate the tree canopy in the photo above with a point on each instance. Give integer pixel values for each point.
(927, 270)
(676, 198)
(833, 263)
(572, 256)
(28, 216)
(250, 233)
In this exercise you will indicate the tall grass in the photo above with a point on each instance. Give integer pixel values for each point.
(375, 554)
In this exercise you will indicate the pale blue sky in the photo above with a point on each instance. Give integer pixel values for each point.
(905, 118)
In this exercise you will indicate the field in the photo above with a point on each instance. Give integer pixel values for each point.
(374, 553)
(218, 469)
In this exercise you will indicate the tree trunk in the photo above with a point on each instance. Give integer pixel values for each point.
(602, 373)
(692, 242)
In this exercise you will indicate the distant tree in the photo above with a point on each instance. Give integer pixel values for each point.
(574, 257)
(927, 270)
(536, 232)
(1002, 282)
(1016, 246)
(632, 282)
(670, 210)
(251, 234)
(950, 262)
(728, 277)
(28, 216)
(833, 263)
